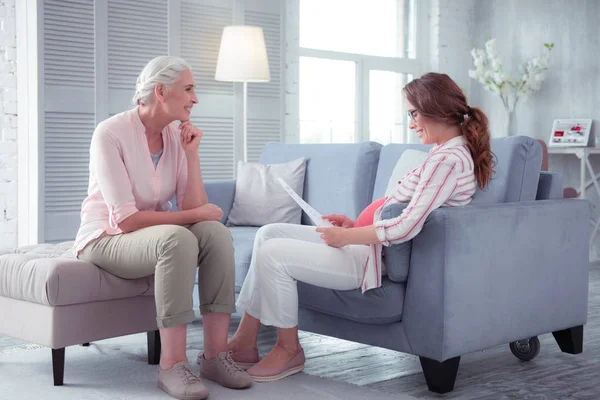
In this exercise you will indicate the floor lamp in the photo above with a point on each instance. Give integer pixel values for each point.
(243, 58)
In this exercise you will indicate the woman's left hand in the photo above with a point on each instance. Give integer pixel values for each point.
(190, 137)
(334, 236)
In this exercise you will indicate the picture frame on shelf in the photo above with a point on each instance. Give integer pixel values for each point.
(571, 133)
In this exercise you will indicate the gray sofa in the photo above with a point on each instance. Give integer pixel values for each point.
(511, 265)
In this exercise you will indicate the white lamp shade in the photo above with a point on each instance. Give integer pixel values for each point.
(243, 55)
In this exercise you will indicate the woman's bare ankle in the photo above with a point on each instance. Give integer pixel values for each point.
(237, 343)
(291, 348)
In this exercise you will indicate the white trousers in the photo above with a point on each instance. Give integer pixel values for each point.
(285, 253)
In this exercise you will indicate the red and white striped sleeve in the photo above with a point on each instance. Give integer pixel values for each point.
(437, 183)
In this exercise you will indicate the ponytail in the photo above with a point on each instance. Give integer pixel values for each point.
(476, 130)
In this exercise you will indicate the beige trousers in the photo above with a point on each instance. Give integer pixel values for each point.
(172, 253)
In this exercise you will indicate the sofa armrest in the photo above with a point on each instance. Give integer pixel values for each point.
(221, 193)
(481, 276)
(397, 256)
(550, 186)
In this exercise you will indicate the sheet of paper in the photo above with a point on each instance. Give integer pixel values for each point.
(313, 214)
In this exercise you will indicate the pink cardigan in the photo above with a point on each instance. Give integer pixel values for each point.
(123, 179)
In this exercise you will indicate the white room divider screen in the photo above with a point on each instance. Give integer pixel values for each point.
(90, 53)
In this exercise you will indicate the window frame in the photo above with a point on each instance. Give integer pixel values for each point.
(366, 63)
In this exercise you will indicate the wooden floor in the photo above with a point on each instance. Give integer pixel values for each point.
(492, 374)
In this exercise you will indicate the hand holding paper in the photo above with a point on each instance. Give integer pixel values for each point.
(313, 214)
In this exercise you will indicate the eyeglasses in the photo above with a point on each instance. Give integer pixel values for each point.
(412, 115)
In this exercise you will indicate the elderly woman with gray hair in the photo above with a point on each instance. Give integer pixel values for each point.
(139, 160)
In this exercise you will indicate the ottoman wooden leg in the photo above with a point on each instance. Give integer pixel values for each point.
(58, 366)
(153, 347)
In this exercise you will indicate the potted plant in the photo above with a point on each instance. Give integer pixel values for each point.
(490, 73)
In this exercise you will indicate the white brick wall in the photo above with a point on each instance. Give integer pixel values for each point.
(451, 25)
(8, 125)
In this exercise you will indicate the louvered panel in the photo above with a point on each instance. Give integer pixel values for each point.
(216, 147)
(137, 32)
(67, 145)
(69, 43)
(260, 132)
(201, 29)
(271, 25)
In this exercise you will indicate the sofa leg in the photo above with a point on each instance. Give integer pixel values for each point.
(153, 347)
(58, 366)
(570, 340)
(85, 344)
(440, 376)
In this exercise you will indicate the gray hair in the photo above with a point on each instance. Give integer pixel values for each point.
(163, 69)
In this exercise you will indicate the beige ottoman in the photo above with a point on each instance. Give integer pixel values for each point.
(50, 298)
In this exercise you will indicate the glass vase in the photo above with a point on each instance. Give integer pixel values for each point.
(509, 123)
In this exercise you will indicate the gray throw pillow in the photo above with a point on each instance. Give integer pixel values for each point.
(260, 200)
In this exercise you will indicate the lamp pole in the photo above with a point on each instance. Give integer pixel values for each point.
(245, 125)
(243, 58)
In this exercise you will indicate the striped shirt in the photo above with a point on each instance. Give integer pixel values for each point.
(446, 178)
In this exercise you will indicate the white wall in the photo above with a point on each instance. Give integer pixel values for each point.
(8, 125)
(572, 85)
(571, 88)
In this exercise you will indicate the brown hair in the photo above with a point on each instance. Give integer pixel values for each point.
(437, 97)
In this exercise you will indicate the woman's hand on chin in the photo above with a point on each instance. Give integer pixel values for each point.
(190, 137)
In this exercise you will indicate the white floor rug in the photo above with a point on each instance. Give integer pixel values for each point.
(116, 369)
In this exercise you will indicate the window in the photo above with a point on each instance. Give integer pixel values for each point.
(355, 58)
(327, 112)
(382, 28)
(387, 109)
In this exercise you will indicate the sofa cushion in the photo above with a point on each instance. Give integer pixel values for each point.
(383, 305)
(408, 162)
(388, 159)
(243, 241)
(516, 174)
(339, 177)
(50, 274)
(259, 198)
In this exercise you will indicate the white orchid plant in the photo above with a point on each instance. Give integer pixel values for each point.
(490, 73)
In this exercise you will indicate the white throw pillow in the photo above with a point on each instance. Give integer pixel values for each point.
(260, 200)
(409, 160)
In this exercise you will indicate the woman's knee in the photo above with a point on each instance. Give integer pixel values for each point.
(216, 247)
(211, 231)
(269, 231)
(179, 239)
(267, 256)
